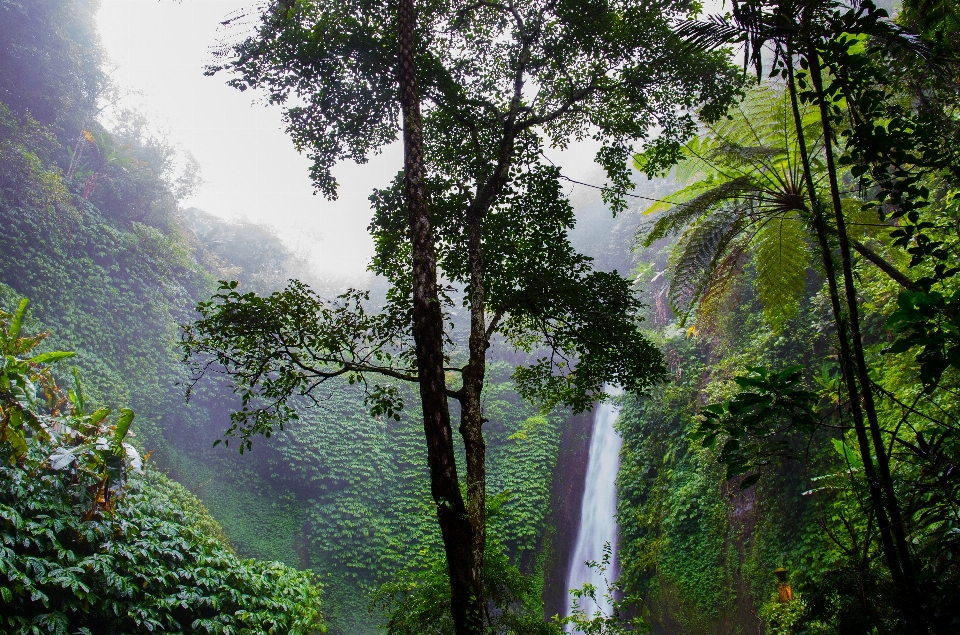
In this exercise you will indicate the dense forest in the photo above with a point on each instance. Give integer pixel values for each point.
(200, 433)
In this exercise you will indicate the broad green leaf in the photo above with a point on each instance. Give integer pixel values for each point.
(17, 320)
(16, 440)
(123, 424)
(852, 458)
(53, 356)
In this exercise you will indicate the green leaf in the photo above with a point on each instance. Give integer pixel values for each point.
(16, 439)
(123, 424)
(53, 356)
(780, 256)
(852, 458)
(17, 320)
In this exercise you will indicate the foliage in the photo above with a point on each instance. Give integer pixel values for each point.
(599, 622)
(88, 545)
(471, 59)
(111, 275)
(498, 221)
(931, 322)
(894, 142)
(417, 601)
(743, 192)
(51, 61)
(780, 256)
(291, 342)
(312, 497)
(760, 421)
(784, 618)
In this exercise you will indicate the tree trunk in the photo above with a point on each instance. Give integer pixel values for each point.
(843, 344)
(471, 418)
(859, 358)
(466, 596)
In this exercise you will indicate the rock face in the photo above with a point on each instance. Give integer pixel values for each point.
(565, 506)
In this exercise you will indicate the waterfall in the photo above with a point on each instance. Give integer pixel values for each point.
(598, 524)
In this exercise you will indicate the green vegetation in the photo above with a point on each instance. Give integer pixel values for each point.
(833, 390)
(91, 543)
(799, 285)
(485, 213)
(94, 235)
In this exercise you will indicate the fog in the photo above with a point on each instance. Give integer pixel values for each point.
(251, 171)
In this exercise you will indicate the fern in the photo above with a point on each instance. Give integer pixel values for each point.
(780, 257)
(696, 256)
(716, 299)
(709, 194)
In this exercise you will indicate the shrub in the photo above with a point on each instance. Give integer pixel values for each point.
(92, 543)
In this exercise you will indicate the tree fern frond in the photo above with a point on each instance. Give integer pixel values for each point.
(710, 34)
(683, 213)
(681, 197)
(781, 259)
(696, 256)
(748, 152)
(714, 301)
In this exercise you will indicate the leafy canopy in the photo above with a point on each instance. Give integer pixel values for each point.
(487, 72)
(499, 83)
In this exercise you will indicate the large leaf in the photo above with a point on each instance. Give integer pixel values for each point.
(123, 424)
(697, 254)
(693, 202)
(62, 458)
(52, 356)
(780, 256)
(17, 322)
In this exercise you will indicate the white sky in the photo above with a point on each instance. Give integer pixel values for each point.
(250, 168)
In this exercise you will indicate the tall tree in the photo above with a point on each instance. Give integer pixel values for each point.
(499, 82)
(458, 532)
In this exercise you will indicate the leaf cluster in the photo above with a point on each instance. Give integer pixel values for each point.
(290, 343)
(742, 193)
(760, 422)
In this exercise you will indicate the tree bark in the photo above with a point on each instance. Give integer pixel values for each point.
(471, 417)
(859, 358)
(843, 343)
(892, 272)
(466, 590)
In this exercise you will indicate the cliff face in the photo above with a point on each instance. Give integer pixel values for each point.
(670, 611)
(564, 519)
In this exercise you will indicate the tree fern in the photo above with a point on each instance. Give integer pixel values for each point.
(780, 257)
(742, 176)
(700, 249)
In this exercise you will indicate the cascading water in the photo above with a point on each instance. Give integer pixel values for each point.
(598, 524)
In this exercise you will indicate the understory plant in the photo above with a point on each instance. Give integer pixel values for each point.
(90, 542)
